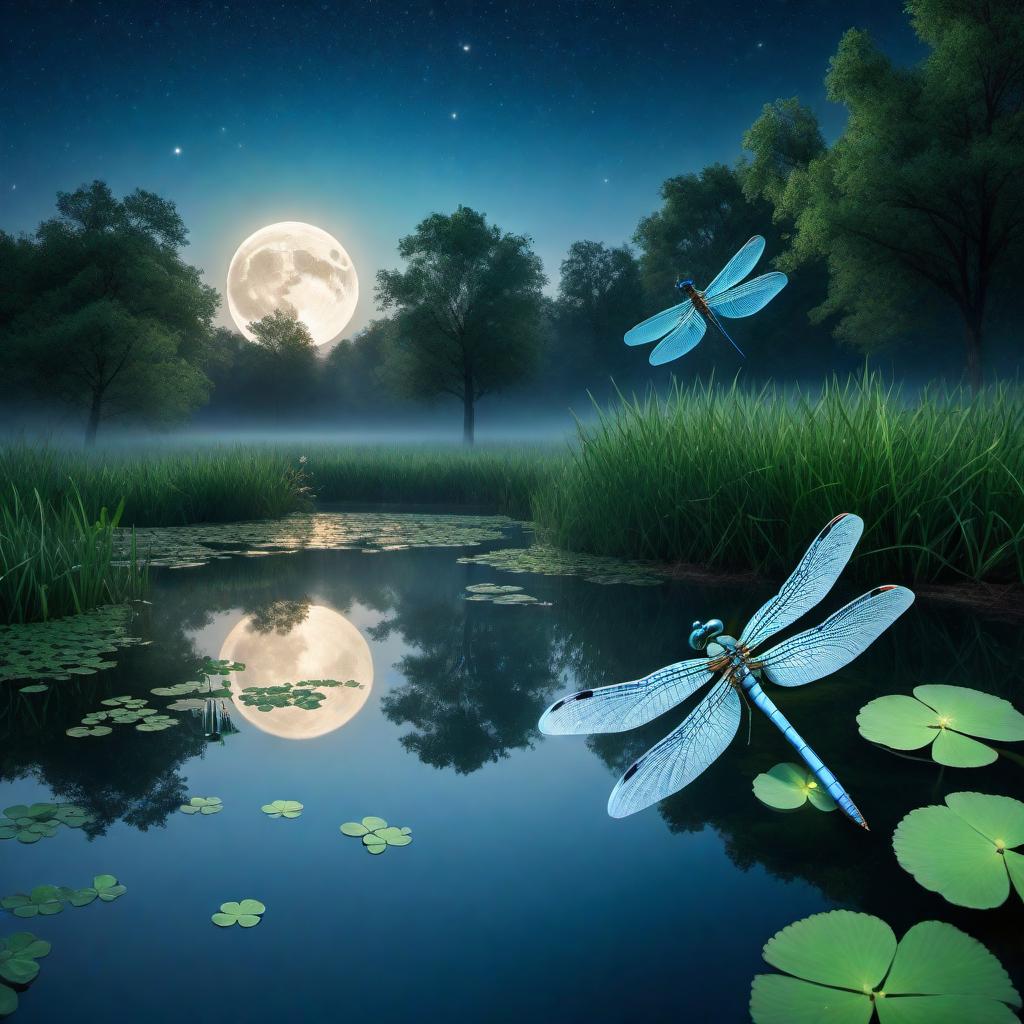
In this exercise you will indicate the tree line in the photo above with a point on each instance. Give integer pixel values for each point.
(903, 235)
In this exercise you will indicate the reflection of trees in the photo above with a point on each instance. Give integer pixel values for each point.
(279, 617)
(478, 681)
(128, 775)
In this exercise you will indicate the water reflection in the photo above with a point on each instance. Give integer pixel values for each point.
(319, 643)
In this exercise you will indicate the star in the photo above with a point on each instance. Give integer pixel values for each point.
(455, 115)
(760, 45)
(465, 47)
(177, 150)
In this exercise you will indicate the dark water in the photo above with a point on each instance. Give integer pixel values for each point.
(519, 898)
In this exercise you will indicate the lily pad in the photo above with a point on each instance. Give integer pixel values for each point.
(845, 967)
(108, 888)
(282, 809)
(965, 850)
(376, 834)
(788, 786)
(35, 688)
(60, 648)
(79, 731)
(19, 954)
(371, 532)
(188, 704)
(44, 900)
(551, 561)
(246, 913)
(203, 805)
(30, 823)
(946, 718)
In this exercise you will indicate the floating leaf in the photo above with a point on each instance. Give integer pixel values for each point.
(203, 805)
(60, 648)
(283, 809)
(843, 967)
(965, 850)
(36, 688)
(19, 954)
(376, 834)
(246, 913)
(546, 560)
(188, 704)
(44, 900)
(85, 730)
(946, 717)
(29, 824)
(108, 888)
(788, 786)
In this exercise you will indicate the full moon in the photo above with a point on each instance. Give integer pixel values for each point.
(298, 268)
(324, 645)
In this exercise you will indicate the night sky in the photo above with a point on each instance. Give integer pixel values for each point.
(558, 120)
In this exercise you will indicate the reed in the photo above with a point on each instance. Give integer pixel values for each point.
(726, 477)
(56, 560)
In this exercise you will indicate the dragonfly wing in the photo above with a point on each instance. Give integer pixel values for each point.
(838, 640)
(661, 323)
(809, 582)
(625, 705)
(748, 298)
(686, 336)
(682, 755)
(737, 268)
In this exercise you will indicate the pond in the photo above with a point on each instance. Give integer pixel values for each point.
(518, 898)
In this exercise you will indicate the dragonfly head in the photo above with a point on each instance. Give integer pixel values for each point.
(702, 633)
(684, 282)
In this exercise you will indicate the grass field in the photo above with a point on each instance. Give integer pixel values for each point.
(715, 476)
(740, 479)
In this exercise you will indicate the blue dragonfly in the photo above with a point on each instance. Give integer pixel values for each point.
(736, 670)
(684, 325)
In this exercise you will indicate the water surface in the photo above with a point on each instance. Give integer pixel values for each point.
(519, 898)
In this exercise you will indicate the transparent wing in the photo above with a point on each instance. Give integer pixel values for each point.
(838, 640)
(625, 705)
(737, 268)
(681, 340)
(748, 298)
(809, 582)
(682, 755)
(661, 323)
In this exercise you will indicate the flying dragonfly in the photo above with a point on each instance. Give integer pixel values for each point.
(684, 325)
(735, 669)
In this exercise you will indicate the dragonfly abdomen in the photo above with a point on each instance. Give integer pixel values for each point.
(831, 784)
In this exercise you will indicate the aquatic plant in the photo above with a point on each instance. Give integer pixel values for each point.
(788, 786)
(28, 823)
(35, 688)
(122, 711)
(376, 834)
(203, 805)
(367, 532)
(495, 594)
(77, 645)
(707, 476)
(246, 913)
(546, 560)
(304, 694)
(944, 718)
(282, 809)
(56, 560)
(846, 967)
(965, 850)
(20, 954)
(47, 900)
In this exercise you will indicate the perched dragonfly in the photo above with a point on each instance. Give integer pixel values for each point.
(705, 733)
(684, 325)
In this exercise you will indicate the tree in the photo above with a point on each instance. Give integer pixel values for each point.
(600, 296)
(109, 317)
(467, 310)
(286, 360)
(354, 370)
(920, 203)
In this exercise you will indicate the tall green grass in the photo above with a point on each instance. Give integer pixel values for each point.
(725, 477)
(56, 560)
(169, 485)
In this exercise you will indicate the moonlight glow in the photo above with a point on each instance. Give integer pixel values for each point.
(298, 268)
(324, 645)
